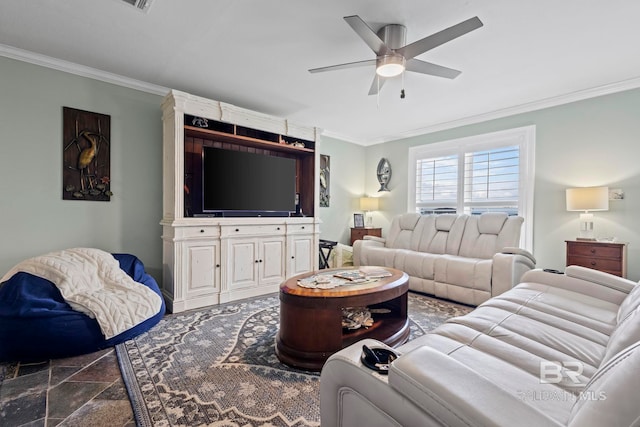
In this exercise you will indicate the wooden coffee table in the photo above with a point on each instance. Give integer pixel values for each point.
(311, 319)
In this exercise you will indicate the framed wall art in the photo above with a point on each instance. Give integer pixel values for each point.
(358, 220)
(86, 155)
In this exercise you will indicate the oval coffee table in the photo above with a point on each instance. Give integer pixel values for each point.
(311, 319)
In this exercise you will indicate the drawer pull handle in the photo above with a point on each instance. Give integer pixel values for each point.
(593, 263)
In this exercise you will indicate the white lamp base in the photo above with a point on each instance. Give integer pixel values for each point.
(586, 227)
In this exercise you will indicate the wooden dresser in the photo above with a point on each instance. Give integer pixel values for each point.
(603, 256)
(360, 232)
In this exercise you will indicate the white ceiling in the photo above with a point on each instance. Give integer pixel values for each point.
(255, 54)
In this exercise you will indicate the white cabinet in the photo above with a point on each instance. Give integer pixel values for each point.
(301, 256)
(210, 260)
(198, 272)
(255, 260)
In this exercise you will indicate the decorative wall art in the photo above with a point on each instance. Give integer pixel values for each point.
(384, 174)
(324, 180)
(86, 157)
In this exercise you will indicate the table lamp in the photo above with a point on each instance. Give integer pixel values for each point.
(587, 199)
(368, 204)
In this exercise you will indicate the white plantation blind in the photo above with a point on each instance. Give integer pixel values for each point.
(437, 180)
(492, 178)
(490, 172)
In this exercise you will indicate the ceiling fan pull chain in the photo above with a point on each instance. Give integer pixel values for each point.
(402, 90)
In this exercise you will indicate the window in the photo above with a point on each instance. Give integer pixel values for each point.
(484, 173)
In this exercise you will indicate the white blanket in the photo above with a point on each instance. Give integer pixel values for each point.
(91, 282)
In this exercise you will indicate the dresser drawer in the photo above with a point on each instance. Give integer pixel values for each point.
(607, 257)
(601, 264)
(591, 250)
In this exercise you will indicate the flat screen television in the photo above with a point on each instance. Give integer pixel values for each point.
(238, 183)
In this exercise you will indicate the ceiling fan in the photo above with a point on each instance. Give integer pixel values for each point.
(393, 55)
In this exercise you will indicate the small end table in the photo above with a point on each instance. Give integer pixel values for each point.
(357, 233)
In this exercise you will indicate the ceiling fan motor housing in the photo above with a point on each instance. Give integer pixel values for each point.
(393, 35)
(390, 64)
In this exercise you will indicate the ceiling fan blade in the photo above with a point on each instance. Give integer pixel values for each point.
(367, 34)
(423, 67)
(377, 84)
(343, 66)
(423, 45)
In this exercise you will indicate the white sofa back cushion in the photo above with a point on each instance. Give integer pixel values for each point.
(401, 232)
(441, 234)
(487, 234)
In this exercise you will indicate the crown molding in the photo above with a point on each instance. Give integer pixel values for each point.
(80, 70)
(563, 99)
(93, 73)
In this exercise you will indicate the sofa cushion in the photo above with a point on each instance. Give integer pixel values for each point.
(611, 396)
(630, 303)
(487, 234)
(402, 232)
(383, 257)
(470, 273)
(441, 234)
(627, 332)
(416, 264)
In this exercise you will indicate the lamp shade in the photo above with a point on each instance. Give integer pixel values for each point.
(588, 199)
(369, 204)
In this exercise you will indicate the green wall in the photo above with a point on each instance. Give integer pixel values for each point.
(346, 186)
(35, 219)
(587, 143)
(591, 142)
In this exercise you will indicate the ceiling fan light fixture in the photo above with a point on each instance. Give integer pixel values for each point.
(390, 65)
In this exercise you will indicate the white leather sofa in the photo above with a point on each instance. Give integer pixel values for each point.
(556, 350)
(458, 257)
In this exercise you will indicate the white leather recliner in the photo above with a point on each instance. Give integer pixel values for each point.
(458, 257)
(556, 350)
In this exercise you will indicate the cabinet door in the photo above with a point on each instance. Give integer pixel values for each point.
(242, 263)
(202, 268)
(300, 255)
(271, 261)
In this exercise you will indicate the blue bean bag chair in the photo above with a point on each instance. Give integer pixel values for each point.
(37, 324)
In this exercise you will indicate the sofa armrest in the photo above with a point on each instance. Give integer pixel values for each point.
(352, 395)
(367, 241)
(519, 251)
(375, 239)
(508, 268)
(585, 281)
(457, 395)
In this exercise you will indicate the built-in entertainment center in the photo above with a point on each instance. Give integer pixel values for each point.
(240, 201)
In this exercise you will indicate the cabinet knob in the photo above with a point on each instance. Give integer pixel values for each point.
(237, 229)
(278, 228)
(202, 231)
(593, 251)
(217, 265)
(593, 263)
(292, 257)
(303, 227)
(256, 261)
(260, 260)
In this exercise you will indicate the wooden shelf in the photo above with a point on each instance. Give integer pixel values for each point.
(197, 132)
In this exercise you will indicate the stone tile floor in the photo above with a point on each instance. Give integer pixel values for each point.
(82, 391)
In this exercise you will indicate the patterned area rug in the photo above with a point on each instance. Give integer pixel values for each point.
(218, 366)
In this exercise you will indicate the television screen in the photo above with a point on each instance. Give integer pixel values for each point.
(237, 182)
